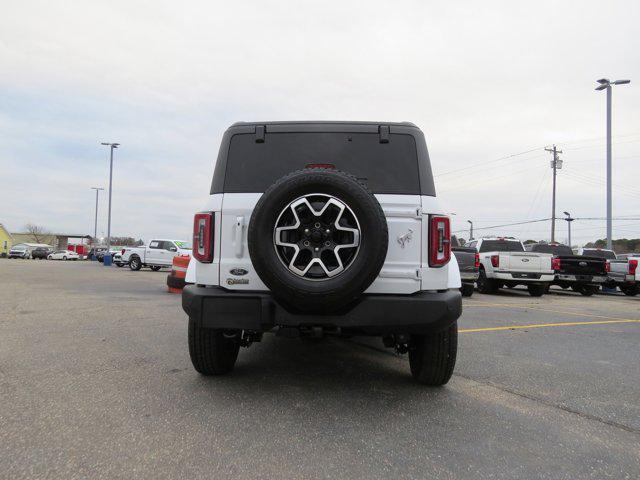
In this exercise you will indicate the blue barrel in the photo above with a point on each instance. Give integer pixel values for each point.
(107, 260)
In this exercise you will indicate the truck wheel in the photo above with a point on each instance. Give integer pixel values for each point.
(485, 285)
(135, 264)
(155, 268)
(317, 238)
(576, 288)
(467, 289)
(588, 290)
(536, 290)
(212, 351)
(630, 290)
(432, 357)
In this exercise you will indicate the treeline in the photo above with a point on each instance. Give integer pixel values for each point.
(623, 245)
(125, 241)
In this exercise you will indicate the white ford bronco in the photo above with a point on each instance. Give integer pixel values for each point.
(323, 228)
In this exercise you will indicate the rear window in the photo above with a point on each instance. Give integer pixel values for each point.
(592, 252)
(384, 167)
(559, 250)
(501, 246)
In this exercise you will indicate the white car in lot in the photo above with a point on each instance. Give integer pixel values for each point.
(159, 253)
(63, 255)
(504, 262)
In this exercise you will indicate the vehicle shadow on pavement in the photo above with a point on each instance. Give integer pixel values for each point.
(315, 371)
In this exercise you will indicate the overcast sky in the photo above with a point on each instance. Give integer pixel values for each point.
(484, 80)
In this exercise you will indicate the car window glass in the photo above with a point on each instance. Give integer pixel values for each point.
(501, 246)
(155, 244)
(168, 245)
(390, 167)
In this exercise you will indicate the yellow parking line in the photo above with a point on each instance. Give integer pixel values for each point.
(563, 312)
(542, 325)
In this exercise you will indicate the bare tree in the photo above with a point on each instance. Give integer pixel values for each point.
(38, 233)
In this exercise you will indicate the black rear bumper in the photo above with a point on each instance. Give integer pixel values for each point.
(422, 312)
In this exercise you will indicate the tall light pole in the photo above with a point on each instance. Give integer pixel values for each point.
(606, 84)
(556, 164)
(569, 220)
(95, 225)
(112, 146)
(470, 230)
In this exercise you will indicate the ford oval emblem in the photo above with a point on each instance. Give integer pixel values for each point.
(582, 264)
(238, 272)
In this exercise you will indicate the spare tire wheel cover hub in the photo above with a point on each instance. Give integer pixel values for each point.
(317, 236)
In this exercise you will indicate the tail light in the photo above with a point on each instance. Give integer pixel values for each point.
(633, 266)
(607, 266)
(439, 241)
(476, 263)
(495, 261)
(556, 264)
(203, 237)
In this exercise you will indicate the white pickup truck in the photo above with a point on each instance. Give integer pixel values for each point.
(159, 253)
(504, 263)
(624, 273)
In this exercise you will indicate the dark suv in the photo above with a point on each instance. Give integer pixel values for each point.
(40, 253)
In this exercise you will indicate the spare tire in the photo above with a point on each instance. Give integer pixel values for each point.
(317, 238)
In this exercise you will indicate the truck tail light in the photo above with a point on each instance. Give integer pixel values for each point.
(476, 264)
(439, 241)
(495, 261)
(607, 266)
(203, 237)
(556, 264)
(633, 266)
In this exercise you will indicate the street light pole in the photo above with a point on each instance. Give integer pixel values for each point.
(605, 84)
(569, 220)
(470, 230)
(112, 146)
(95, 226)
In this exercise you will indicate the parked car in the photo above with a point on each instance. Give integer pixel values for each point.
(19, 251)
(40, 253)
(597, 252)
(504, 263)
(581, 273)
(469, 265)
(159, 253)
(317, 228)
(624, 273)
(63, 255)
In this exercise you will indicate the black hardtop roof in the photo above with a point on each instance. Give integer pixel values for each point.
(324, 122)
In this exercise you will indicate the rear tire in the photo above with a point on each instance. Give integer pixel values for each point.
(212, 351)
(432, 357)
(630, 290)
(588, 290)
(485, 285)
(467, 289)
(536, 290)
(135, 264)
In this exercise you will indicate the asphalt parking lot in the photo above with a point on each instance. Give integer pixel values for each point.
(96, 382)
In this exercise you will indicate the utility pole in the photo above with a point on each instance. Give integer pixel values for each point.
(95, 225)
(470, 230)
(556, 164)
(606, 84)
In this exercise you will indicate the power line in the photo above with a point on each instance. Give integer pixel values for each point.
(487, 162)
(506, 225)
